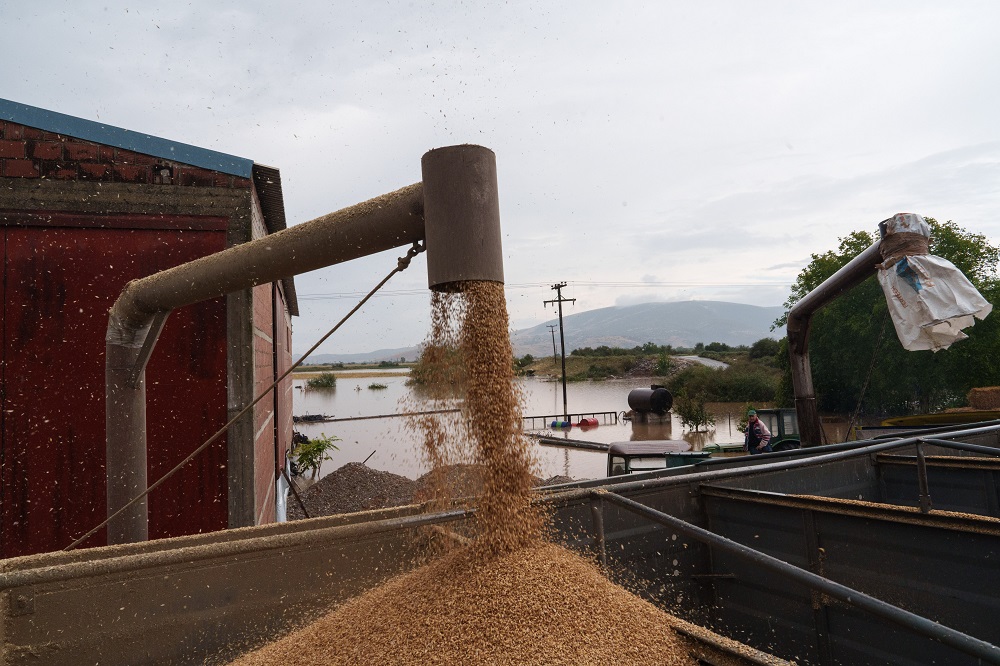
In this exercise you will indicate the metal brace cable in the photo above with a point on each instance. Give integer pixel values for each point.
(402, 264)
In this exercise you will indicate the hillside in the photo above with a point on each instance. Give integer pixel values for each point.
(681, 324)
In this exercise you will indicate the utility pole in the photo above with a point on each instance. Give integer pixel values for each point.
(552, 330)
(562, 339)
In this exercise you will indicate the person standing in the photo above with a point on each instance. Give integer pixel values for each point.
(758, 437)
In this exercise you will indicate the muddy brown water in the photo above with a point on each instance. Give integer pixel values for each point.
(395, 448)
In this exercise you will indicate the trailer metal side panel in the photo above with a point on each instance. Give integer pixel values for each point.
(960, 483)
(849, 477)
(197, 599)
(947, 575)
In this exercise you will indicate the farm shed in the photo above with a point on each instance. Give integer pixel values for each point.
(85, 208)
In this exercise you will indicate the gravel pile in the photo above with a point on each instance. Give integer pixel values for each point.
(353, 487)
(536, 605)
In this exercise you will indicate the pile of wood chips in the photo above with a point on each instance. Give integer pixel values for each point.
(540, 604)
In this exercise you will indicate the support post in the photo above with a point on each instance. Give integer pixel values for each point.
(562, 341)
(799, 318)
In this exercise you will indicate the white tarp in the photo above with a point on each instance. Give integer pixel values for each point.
(930, 300)
(281, 496)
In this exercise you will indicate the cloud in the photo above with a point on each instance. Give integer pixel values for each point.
(708, 147)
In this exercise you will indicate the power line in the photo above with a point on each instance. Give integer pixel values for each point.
(538, 285)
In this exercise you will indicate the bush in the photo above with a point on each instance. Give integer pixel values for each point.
(740, 382)
(309, 455)
(521, 364)
(663, 365)
(600, 372)
(324, 380)
(377, 387)
(438, 365)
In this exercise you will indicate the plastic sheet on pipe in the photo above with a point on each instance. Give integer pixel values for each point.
(930, 300)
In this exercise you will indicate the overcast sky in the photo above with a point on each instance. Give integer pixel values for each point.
(646, 151)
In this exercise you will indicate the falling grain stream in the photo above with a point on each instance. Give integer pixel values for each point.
(508, 596)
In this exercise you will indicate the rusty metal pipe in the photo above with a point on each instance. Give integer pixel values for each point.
(460, 192)
(382, 223)
(461, 197)
(379, 224)
(799, 318)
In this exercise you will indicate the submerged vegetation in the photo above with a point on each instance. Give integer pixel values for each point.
(323, 380)
(692, 411)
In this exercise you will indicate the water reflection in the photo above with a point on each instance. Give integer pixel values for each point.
(393, 448)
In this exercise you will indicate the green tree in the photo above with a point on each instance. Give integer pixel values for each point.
(852, 339)
(766, 348)
(692, 411)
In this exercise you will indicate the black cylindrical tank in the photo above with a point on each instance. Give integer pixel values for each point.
(656, 399)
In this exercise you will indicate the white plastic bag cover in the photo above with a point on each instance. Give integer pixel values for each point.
(907, 223)
(930, 301)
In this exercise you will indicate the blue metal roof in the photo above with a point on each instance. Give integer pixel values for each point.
(88, 130)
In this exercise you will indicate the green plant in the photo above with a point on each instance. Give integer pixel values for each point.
(310, 454)
(374, 386)
(692, 412)
(663, 365)
(324, 380)
(521, 363)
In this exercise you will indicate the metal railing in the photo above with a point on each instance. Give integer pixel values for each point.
(543, 421)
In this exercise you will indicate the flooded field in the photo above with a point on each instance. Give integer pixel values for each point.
(389, 446)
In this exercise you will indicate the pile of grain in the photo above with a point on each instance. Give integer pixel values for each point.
(509, 597)
(535, 605)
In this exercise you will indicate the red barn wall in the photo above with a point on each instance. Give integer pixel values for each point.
(78, 220)
(283, 343)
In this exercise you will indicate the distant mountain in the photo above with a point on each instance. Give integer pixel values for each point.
(681, 324)
(409, 353)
